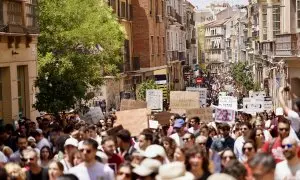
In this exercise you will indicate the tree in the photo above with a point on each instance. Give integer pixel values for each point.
(142, 88)
(80, 41)
(242, 76)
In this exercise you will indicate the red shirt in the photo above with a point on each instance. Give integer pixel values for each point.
(276, 149)
(115, 161)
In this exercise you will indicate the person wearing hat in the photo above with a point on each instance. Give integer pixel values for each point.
(148, 169)
(174, 171)
(70, 148)
(157, 152)
(179, 126)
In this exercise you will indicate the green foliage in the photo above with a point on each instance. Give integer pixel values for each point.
(79, 42)
(242, 76)
(142, 88)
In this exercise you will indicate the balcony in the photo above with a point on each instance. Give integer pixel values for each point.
(188, 44)
(19, 17)
(286, 45)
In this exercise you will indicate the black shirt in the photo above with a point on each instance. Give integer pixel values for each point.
(43, 175)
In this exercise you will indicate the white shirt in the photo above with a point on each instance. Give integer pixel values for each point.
(95, 172)
(66, 164)
(193, 131)
(238, 148)
(178, 140)
(295, 120)
(283, 171)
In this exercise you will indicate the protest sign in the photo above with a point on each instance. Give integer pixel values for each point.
(268, 104)
(184, 100)
(127, 104)
(204, 114)
(134, 120)
(224, 116)
(93, 115)
(254, 94)
(163, 118)
(202, 91)
(228, 102)
(222, 93)
(154, 99)
(153, 124)
(253, 105)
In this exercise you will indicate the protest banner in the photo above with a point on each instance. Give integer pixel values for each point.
(253, 105)
(154, 99)
(228, 102)
(134, 120)
(153, 124)
(184, 100)
(128, 104)
(224, 116)
(202, 91)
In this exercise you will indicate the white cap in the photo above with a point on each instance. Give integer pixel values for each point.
(147, 167)
(155, 150)
(279, 111)
(72, 142)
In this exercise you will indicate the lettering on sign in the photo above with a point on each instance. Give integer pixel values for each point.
(229, 102)
(202, 91)
(184, 100)
(224, 115)
(154, 99)
(253, 105)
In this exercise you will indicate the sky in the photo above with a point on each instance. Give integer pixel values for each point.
(203, 3)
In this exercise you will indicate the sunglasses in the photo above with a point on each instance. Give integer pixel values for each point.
(202, 144)
(286, 145)
(228, 157)
(185, 139)
(88, 151)
(126, 174)
(26, 159)
(247, 148)
(284, 129)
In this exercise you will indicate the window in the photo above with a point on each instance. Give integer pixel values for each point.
(21, 90)
(14, 12)
(164, 45)
(127, 10)
(162, 9)
(168, 41)
(276, 20)
(298, 13)
(156, 7)
(113, 5)
(119, 8)
(123, 10)
(158, 45)
(152, 45)
(31, 13)
(150, 7)
(264, 22)
(1, 98)
(130, 12)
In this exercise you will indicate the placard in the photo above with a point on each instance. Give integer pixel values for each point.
(222, 93)
(205, 114)
(134, 120)
(163, 118)
(154, 99)
(253, 105)
(184, 100)
(203, 94)
(153, 124)
(225, 116)
(254, 94)
(228, 102)
(128, 104)
(268, 104)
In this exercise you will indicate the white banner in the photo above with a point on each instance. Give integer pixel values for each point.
(228, 102)
(253, 105)
(224, 116)
(154, 99)
(202, 91)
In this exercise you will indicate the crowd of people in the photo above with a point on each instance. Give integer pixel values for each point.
(260, 147)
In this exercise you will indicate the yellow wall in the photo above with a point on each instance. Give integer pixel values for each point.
(8, 64)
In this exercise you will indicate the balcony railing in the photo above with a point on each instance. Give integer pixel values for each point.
(286, 45)
(20, 17)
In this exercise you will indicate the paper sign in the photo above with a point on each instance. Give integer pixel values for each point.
(222, 93)
(253, 105)
(128, 104)
(224, 116)
(154, 99)
(254, 94)
(134, 120)
(184, 100)
(228, 102)
(163, 118)
(203, 94)
(204, 114)
(268, 104)
(153, 124)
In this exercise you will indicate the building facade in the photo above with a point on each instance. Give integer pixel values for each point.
(18, 59)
